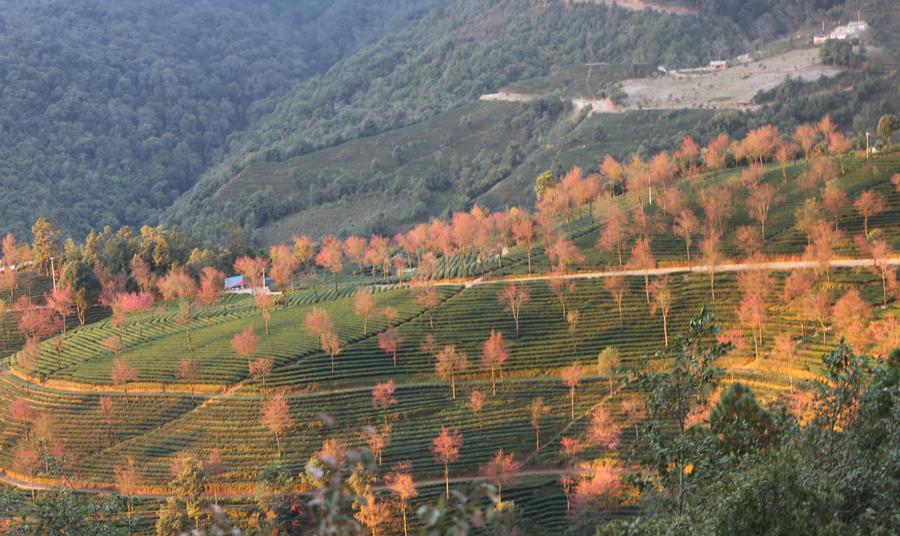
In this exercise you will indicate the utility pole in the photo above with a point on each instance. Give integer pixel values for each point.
(867, 144)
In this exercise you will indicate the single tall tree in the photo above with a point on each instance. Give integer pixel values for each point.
(476, 404)
(244, 343)
(188, 372)
(122, 374)
(317, 323)
(445, 448)
(501, 470)
(364, 306)
(616, 286)
(451, 362)
(834, 200)
(850, 316)
(662, 302)
(260, 369)
(686, 226)
(284, 264)
(634, 409)
(265, 302)
(868, 204)
(759, 202)
(513, 297)
(253, 270)
(400, 482)
(524, 232)
(494, 353)
(571, 377)
(62, 302)
(562, 288)
(212, 285)
(275, 414)
(383, 398)
(332, 346)
(881, 253)
(887, 125)
(331, 257)
(608, 361)
(107, 410)
(807, 136)
(178, 287)
(603, 431)
(615, 230)
(538, 409)
(427, 296)
(390, 340)
(22, 411)
(128, 481)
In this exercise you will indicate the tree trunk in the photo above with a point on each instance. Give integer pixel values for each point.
(446, 480)
(666, 328)
(572, 401)
(453, 386)
(493, 383)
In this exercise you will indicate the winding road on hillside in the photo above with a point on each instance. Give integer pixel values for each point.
(427, 483)
(775, 266)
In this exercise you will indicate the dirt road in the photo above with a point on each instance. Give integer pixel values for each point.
(775, 266)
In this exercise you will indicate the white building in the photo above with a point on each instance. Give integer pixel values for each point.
(851, 30)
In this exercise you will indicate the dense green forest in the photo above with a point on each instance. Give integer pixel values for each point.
(113, 108)
(202, 114)
(763, 19)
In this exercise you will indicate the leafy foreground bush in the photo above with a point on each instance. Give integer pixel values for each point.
(837, 474)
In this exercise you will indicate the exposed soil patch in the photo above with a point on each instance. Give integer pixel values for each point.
(732, 87)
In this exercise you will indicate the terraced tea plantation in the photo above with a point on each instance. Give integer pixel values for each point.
(153, 427)
(73, 392)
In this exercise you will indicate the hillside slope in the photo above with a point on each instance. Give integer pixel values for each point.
(112, 109)
(450, 58)
(162, 415)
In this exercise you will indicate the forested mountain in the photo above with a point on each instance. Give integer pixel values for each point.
(270, 114)
(112, 108)
(763, 19)
(460, 51)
